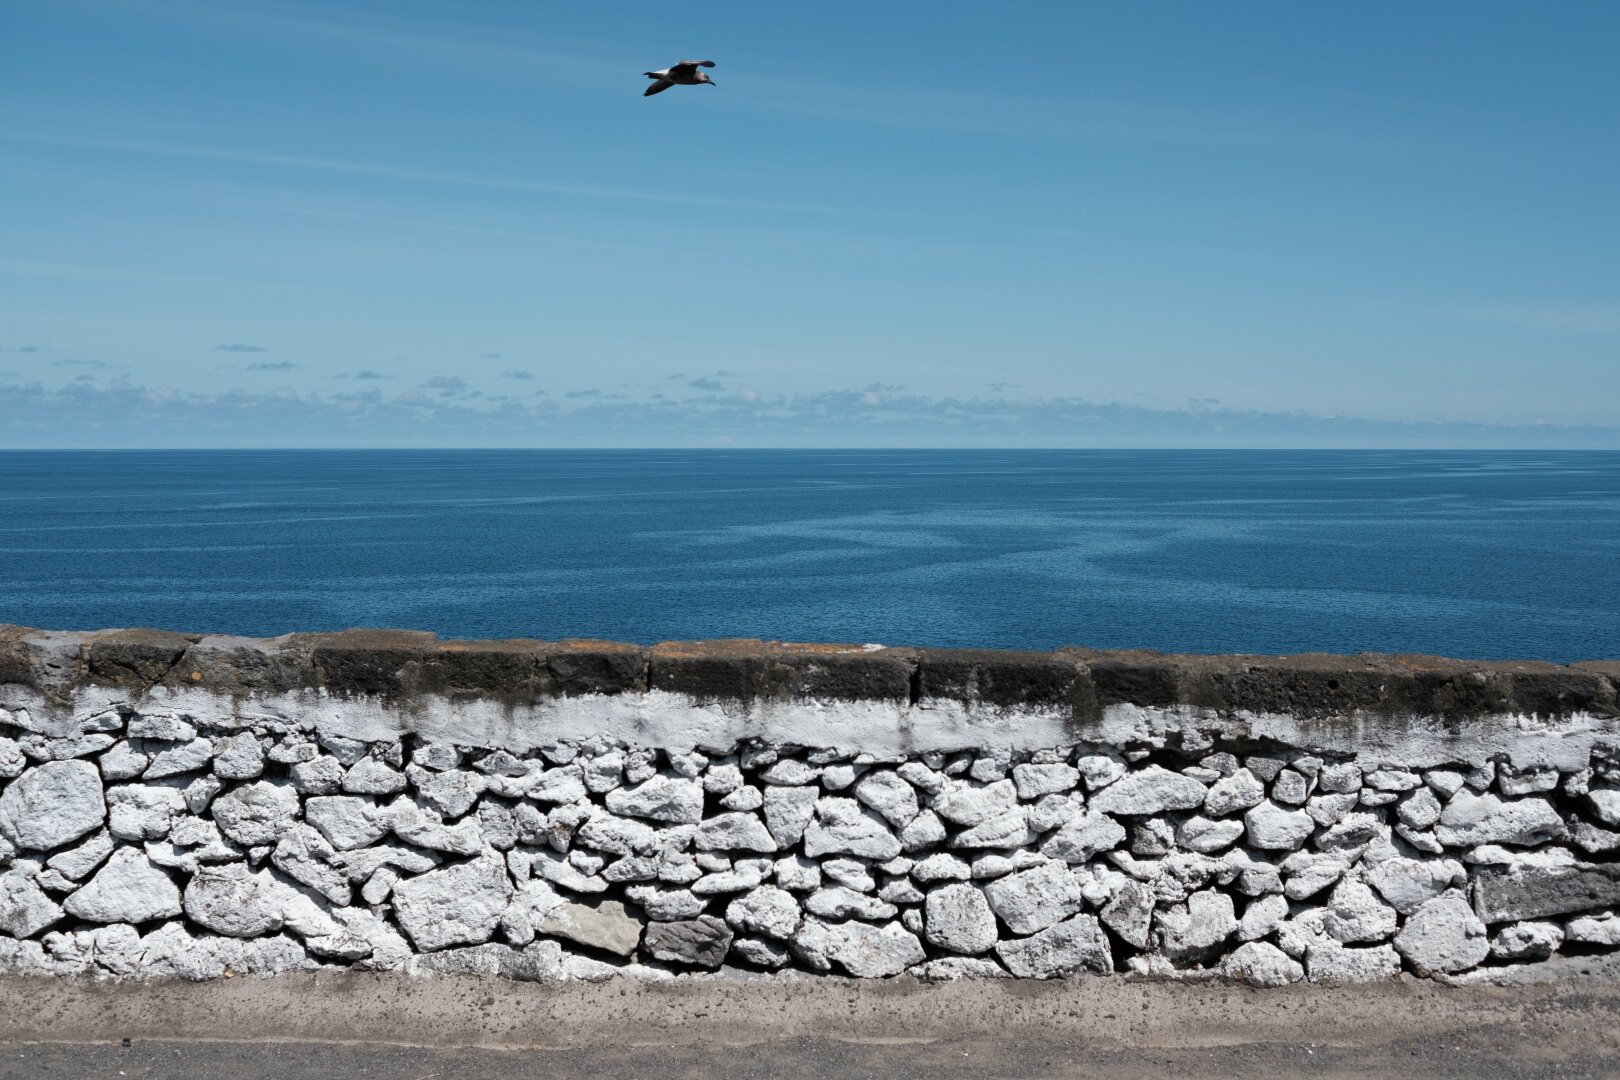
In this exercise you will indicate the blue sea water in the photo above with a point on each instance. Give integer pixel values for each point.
(1483, 555)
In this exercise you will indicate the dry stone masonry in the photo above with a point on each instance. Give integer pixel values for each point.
(180, 805)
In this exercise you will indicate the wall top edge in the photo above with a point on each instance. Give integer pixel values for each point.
(399, 665)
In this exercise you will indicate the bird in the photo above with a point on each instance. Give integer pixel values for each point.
(685, 73)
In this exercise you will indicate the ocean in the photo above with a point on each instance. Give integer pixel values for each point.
(1469, 554)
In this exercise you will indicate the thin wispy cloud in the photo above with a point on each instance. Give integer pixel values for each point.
(365, 373)
(517, 373)
(240, 348)
(78, 361)
(489, 356)
(271, 365)
(582, 394)
(399, 172)
(706, 384)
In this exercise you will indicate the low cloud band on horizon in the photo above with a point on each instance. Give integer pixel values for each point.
(446, 411)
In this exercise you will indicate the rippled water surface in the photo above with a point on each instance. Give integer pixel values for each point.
(1470, 554)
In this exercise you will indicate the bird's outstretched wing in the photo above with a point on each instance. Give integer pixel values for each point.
(697, 63)
(689, 67)
(657, 88)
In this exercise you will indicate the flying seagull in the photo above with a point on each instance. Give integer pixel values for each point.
(685, 73)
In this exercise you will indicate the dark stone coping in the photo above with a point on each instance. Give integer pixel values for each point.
(405, 664)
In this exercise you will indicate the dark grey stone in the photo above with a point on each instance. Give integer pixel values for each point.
(700, 942)
(1503, 895)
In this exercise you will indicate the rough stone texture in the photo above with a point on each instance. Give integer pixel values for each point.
(1035, 899)
(958, 919)
(458, 905)
(384, 801)
(1153, 790)
(128, 889)
(702, 942)
(1443, 936)
(607, 926)
(1504, 895)
(1262, 964)
(1075, 945)
(25, 910)
(52, 804)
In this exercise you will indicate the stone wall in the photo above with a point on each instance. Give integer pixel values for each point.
(200, 806)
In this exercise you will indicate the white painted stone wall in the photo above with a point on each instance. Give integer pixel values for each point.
(187, 833)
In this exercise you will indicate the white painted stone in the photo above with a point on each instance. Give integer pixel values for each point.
(1075, 945)
(1084, 837)
(25, 910)
(1262, 917)
(968, 804)
(1443, 935)
(1005, 831)
(1356, 916)
(239, 757)
(1208, 836)
(734, 832)
(305, 855)
(925, 831)
(77, 862)
(1034, 781)
(452, 792)
(423, 827)
(1306, 873)
(838, 902)
(862, 949)
(1260, 964)
(321, 775)
(1329, 962)
(52, 804)
(889, 795)
(788, 812)
(1129, 912)
(1152, 790)
(143, 811)
(1195, 931)
(128, 889)
(1100, 770)
(1527, 941)
(1035, 899)
(1470, 819)
(184, 758)
(1603, 929)
(790, 773)
(347, 821)
(560, 785)
(257, 813)
(747, 797)
(958, 919)
(850, 873)
(1605, 804)
(661, 798)
(844, 827)
(766, 910)
(1234, 794)
(457, 905)
(1269, 827)
(941, 866)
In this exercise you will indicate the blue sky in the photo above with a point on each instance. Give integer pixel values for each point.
(367, 223)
